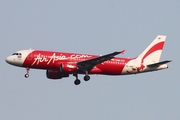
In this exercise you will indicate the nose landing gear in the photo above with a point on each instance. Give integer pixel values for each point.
(27, 73)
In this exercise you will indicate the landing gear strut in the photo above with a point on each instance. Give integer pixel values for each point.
(77, 81)
(27, 73)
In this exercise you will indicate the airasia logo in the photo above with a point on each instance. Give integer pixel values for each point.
(53, 58)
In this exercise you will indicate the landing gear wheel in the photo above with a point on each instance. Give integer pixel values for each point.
(77, 82)
(86, 77)
(27, 72)
(26, 75)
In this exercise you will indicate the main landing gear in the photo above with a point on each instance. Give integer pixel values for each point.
(27, 73)
(86, 77)
(77, 81)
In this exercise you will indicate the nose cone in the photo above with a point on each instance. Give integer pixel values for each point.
(13, 60)
(9, 60)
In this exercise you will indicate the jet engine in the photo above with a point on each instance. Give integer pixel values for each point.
(68, 67)
(55, 74)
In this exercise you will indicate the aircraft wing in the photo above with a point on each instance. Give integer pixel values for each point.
(158, 64)
(87, 65)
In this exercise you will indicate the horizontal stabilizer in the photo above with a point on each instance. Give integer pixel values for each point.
(158, 64)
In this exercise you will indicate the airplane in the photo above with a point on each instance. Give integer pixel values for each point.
(59, 65)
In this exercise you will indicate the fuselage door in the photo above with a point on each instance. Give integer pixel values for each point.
(30, 56)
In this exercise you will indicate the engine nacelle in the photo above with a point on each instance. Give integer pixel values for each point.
(55, 74)
(68, 67)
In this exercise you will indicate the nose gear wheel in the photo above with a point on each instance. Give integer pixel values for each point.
(27, 73)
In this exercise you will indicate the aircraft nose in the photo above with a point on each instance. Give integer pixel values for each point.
(9, 59)
(12, 60)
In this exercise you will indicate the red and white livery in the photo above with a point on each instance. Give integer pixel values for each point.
(61, 64)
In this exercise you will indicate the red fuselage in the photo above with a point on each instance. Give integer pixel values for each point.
(52, 60)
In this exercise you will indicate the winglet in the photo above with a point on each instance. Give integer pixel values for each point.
(122, 52)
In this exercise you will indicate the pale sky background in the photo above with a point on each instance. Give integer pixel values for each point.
(94, 27)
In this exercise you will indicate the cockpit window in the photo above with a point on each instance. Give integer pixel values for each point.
(16, 54)
(19, 55)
